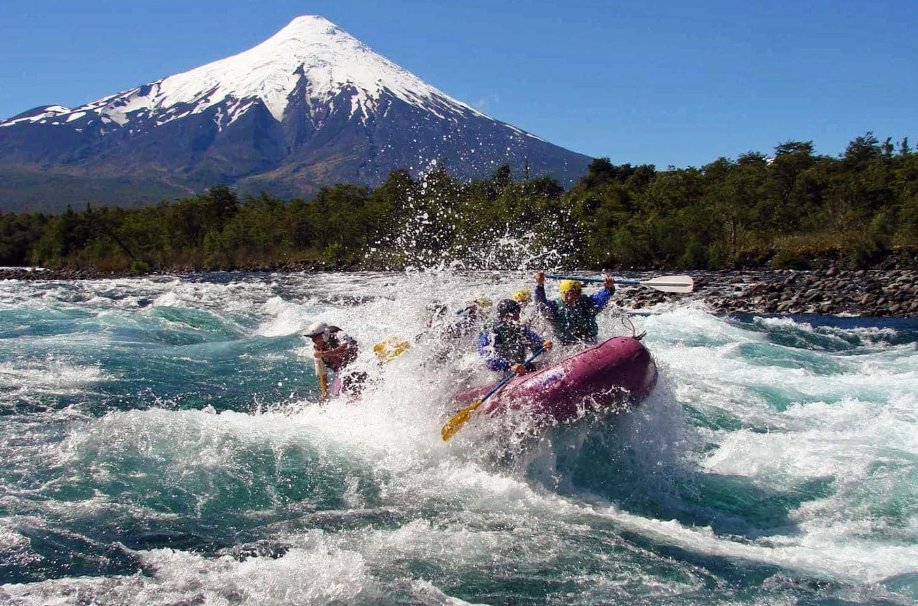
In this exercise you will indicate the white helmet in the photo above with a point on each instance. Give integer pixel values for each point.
(316, 329)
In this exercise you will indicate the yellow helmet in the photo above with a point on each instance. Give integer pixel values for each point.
(567, 285)
(522, 296)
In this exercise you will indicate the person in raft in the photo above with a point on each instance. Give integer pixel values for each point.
(529, 313)
(474, 315)
(524, 298)
(336, 350)
(573, 316)
(504, 342)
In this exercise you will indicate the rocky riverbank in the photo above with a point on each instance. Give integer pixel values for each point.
(831, 291)
(879, 292)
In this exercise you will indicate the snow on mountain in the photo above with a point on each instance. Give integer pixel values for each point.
(310, 46)
(40, 115)
(309, 107)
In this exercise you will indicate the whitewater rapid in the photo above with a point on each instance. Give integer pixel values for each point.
(163, 442)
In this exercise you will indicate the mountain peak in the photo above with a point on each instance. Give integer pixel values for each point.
(309, 106)
(311, 35)
(331, 58)
(309, 47)
(308, 26)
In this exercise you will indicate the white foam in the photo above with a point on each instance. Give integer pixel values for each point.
(286, 318)
(50, 376)
(182, 577)
(853, 561)
(11, 540)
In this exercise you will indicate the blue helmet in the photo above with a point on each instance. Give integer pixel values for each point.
(507, 308)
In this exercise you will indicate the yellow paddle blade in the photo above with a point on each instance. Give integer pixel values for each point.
(390, 349)
(459, 419)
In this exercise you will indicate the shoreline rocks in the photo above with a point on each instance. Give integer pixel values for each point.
(875, 293)
(830, 291)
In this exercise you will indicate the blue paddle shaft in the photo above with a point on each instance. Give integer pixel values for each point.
(512, 374)
(598, 280)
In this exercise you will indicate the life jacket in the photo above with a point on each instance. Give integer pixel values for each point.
(350, 355)
(576, 324)
(509, 342)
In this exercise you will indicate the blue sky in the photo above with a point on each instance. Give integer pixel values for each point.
(670, 83)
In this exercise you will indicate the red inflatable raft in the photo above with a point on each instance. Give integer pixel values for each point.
(618, 372)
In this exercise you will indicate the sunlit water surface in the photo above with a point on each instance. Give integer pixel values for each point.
(162, 443)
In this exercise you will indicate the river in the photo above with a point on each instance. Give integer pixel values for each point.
(163, 443)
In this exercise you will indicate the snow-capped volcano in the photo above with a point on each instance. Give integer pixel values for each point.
(310, 48)
(310, 106)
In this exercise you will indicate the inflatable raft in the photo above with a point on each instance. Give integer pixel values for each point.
(618, 373)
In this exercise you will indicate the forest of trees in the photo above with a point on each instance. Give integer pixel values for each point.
(783, 209)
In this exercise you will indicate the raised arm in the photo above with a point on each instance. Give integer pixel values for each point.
(604, 295)
(547, 308)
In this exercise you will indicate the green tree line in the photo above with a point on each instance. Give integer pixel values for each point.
(784, 208)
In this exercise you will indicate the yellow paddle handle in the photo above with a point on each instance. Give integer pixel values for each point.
(323, 378)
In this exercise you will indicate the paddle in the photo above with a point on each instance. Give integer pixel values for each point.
(462, 417)
(391, 348)
(394, 346)
(680, 284)
(323, 378)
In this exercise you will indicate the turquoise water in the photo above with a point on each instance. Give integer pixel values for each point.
(162, 443)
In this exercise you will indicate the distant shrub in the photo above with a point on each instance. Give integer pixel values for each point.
(790, 259)
(140, 267)
(695, 255)
(333, 254)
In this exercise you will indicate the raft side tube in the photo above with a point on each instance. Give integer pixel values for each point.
(618, 372)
